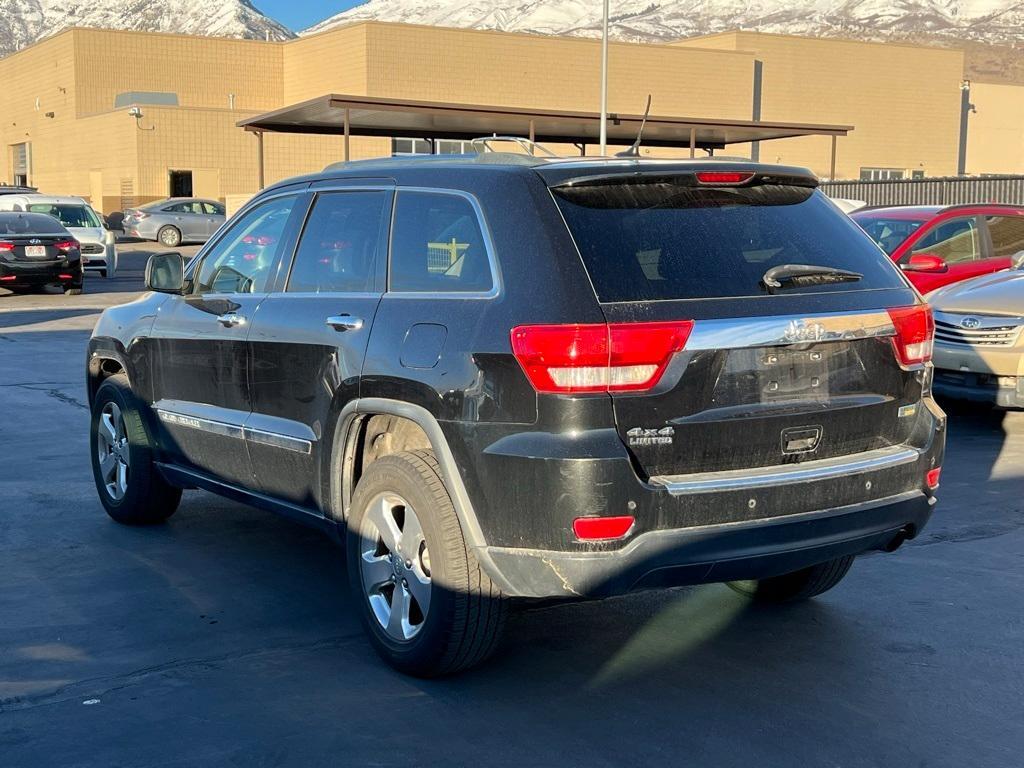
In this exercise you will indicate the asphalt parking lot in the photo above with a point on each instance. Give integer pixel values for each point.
(227, 637)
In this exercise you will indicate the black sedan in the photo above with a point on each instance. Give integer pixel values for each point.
(36, 251)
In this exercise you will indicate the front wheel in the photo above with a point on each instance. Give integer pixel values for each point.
(129, 485)
(427, 606)
(796, 586)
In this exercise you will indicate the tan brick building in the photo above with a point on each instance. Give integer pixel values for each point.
(66, 125)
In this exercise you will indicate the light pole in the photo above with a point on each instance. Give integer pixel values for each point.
(604, 82)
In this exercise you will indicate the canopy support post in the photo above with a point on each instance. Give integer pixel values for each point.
(261, 164)
(348, 133)
(693, 143)
(832, 171)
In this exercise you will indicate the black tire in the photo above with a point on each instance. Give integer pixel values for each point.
(148, 499)
(169, 236)
(466, 617)
(796, 586)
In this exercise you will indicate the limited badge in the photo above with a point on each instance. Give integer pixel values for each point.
(638, 436)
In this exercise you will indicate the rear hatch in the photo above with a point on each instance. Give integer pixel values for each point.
(742, 373)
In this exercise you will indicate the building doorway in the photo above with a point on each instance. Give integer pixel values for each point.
(181, 183)
(21, 164)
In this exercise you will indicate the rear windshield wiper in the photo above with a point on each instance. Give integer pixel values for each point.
(799, 275)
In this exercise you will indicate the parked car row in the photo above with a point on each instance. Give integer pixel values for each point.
(968, 261)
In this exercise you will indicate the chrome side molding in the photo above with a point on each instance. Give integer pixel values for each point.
(237, 431)
(786, 474)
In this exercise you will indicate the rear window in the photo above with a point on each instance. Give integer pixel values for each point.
(668, 239)
(29, 224)
(890, 234)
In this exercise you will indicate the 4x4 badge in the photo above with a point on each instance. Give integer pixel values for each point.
(638, 436)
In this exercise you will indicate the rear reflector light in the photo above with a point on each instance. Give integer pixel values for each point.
(8, 278)
(724, 177)
(915, 334)
(602, 528)
(931, 479)
(618, 357)
(66, 277)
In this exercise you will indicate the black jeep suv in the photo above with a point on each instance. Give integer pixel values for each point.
(505, 377)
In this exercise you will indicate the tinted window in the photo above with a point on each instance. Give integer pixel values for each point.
(185, 208)
(438, 245)
(890, 234)
(955, 241)
(81, 216)
(667, 239)
(29, 224)
(240, 262)
(340, 243)
(1007, 233)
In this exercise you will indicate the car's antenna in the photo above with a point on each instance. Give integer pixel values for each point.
(634, 151)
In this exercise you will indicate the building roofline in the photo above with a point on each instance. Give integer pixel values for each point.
(819, 38)
(500, 33)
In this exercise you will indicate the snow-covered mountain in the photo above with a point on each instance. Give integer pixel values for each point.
(23, 22)
(989, 21)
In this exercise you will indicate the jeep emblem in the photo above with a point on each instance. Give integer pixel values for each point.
(802, 330)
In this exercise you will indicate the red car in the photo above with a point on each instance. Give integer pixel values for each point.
(936, 246)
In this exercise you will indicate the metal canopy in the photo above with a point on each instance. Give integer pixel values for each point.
(372, 116)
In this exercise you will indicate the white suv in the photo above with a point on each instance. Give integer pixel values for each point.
(99, 251)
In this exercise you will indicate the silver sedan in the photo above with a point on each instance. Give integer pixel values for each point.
(175, 220)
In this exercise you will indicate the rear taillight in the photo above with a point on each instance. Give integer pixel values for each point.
(66, 245)
(931, 478)
(6, 247)
(140, 215)
(726, 178)
(915, 334)
(602, 528)
(616, 357)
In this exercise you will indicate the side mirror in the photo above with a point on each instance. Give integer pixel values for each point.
(926, 262)
(165, 273)
(1017, 260)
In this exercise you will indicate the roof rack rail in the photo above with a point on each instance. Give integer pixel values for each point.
(483, 144)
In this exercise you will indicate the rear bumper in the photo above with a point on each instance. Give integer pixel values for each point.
(20, 274)
(688, 529)
(1000, 391)
(727, 552)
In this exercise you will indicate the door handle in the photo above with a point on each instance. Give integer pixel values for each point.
(230, 320)
(345, 323)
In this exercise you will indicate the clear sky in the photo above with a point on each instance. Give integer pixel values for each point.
(299, 14)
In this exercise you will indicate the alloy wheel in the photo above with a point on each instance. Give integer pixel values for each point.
(112, 450)
(395, 567)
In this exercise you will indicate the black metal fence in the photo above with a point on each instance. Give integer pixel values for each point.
(947, 190)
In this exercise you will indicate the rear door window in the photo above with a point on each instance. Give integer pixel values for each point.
(340, 244)
(1007, 233)
(666, 238)
(955, 241)
(438, 245)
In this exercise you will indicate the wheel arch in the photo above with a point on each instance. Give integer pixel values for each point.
(105, 360)
(345, 456)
